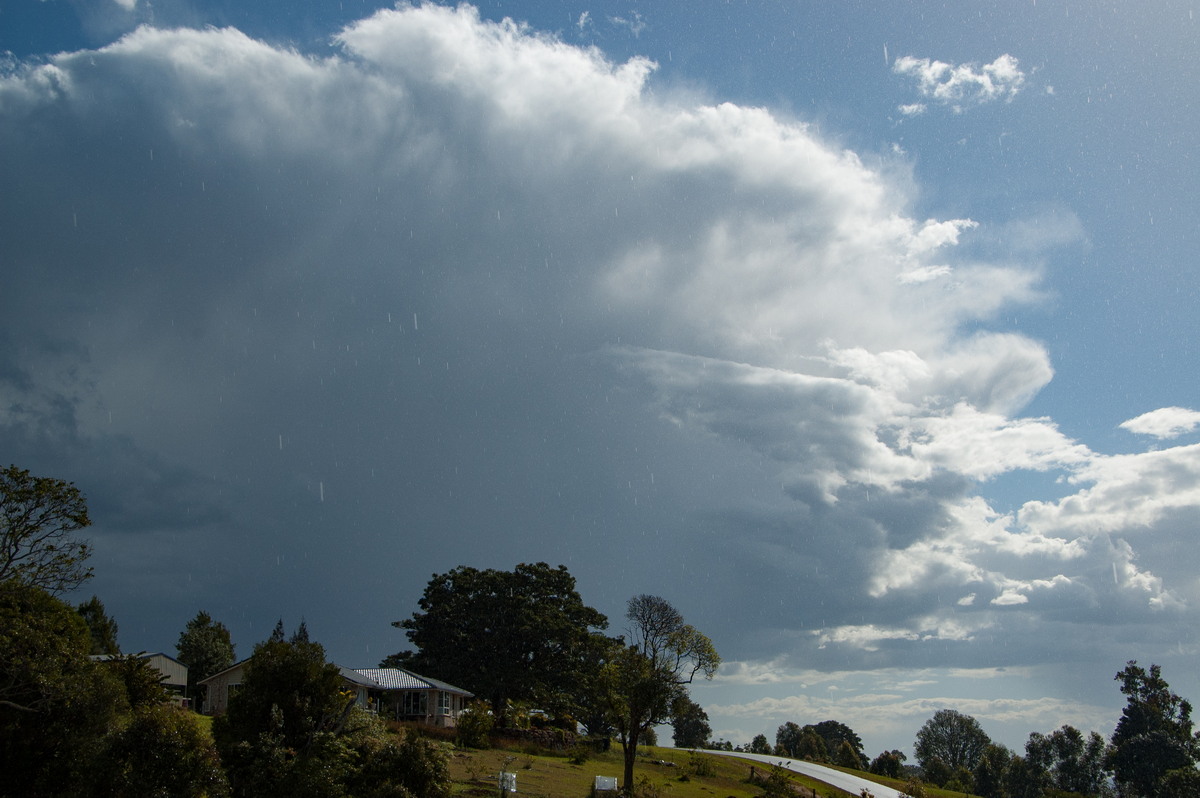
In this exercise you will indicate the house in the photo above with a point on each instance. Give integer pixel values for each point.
(404, 695)
(174, 673)
(389, 691)
(220, 686)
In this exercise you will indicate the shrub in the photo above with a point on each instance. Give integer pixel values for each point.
(473, 726)
(163, 754)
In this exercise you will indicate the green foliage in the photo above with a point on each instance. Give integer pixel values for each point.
(759, 745)
(700, 765)
(38, 516)
(1024, 778)
(102, 628)
(690, 724)
(394, 766)
(143, 682)
(281, 726)
(293, 680)
(1181, 783)
(889, 763)
(937, 772)
(787, 740)
(473, 726)
(777, 784)
(1154, 735)
(292, 731)
(961, 780)
(517, 635)
(1067, 762)
(955, 739)
(835, 734)
(205, 647)
(57, 707)
(812, 746)
(645, 681)
(990, 772)
(847, 757)
(914, 788)
(162, 753)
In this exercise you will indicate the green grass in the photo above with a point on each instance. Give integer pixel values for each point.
(548, 776)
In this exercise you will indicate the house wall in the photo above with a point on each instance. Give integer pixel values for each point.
(175, 672)
(216, 702)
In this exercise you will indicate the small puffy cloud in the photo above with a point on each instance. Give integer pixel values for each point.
(962, 85)
(1166, 422)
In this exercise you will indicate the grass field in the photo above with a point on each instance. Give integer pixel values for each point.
(475, 773)
(539, 776)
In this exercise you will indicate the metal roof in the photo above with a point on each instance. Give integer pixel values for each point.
(399, 679)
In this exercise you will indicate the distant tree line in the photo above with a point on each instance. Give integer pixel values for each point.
(1153, 753)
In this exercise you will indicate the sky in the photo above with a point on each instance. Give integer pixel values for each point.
(862, 333)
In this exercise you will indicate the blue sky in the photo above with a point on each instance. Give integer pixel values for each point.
(862, 333)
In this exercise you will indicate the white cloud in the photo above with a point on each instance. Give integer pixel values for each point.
(962, 85)
(1166, 422)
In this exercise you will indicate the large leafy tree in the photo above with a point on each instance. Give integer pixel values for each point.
(950, 739)
(205, 647)
(56, 705)
(835, 734)
(102, 628)
(1068, 761)
(38, 519)
(1154, 735)
(520, 635)
(787, 739)
(648, 679)
(759, 745)
(690, 724)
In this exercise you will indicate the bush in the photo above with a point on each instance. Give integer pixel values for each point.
(473, 726)
(701, 765)
(163, 754)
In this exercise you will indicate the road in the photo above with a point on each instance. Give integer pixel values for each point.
(851, 784)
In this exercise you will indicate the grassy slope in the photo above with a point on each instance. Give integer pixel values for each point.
(475, 772)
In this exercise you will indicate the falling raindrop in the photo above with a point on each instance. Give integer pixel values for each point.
(321, 485)
(415, 322)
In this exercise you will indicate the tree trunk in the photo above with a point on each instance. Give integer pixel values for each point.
(630, 759)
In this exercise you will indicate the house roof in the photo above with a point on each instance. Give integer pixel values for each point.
(359, 678)
(139, 655)
(377, 679)
(232, 667)
(400, 679)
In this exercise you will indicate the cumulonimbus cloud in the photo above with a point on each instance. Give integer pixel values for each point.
(455, 245)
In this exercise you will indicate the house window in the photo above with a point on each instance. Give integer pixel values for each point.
(443, 702)
(415, 703)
